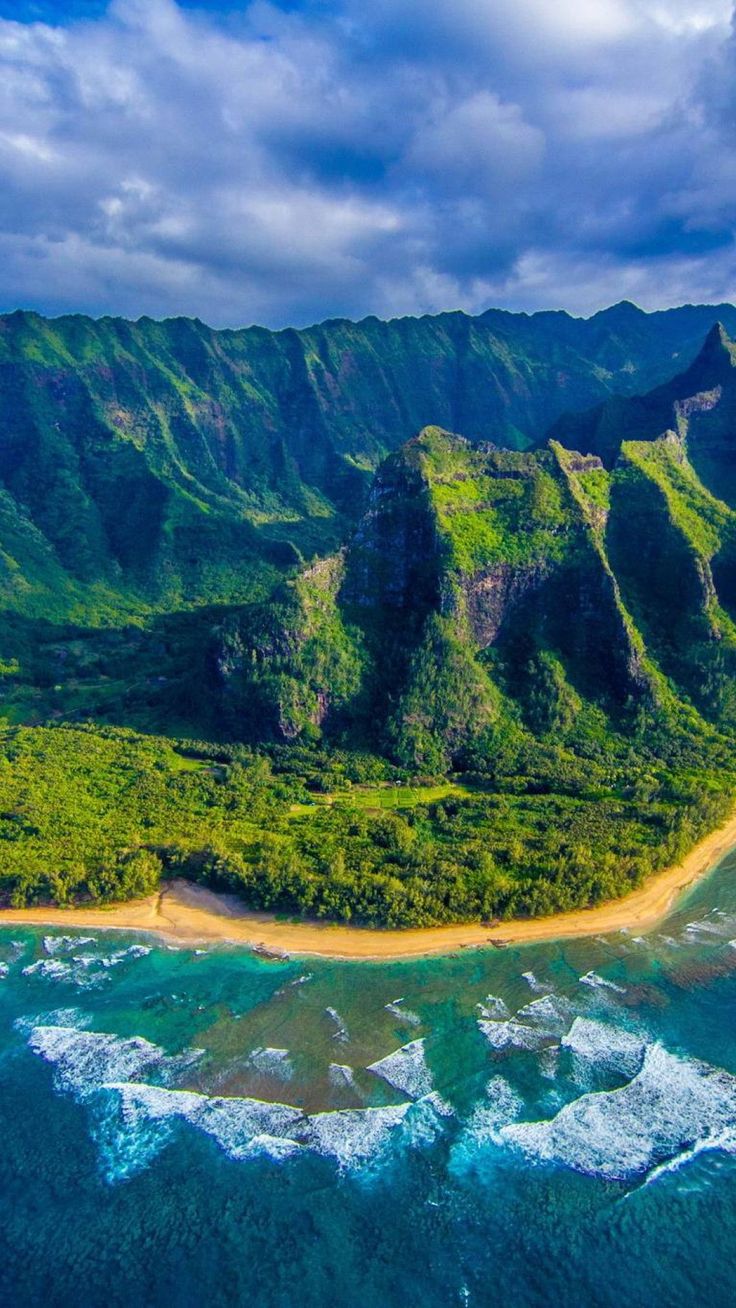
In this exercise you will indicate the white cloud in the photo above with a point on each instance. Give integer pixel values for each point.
(385, 158)
(477, 143)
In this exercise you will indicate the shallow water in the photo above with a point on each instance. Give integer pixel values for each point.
(553, 1124)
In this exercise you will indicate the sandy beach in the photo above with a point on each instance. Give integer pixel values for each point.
(191, 915)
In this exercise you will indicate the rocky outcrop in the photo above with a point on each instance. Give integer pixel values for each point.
(487, 597)
(393, 558)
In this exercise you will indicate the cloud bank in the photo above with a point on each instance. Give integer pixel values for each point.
(282, 163)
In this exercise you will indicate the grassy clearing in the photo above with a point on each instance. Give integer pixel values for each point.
(384, 798)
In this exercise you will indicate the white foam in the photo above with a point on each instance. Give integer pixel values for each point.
(403, 1014)
(232, 1122)
(83, 970)
(53, 969)
(601, 983)
(406, 1070)
(532, 981)
(269, 1061)
(610, 1048)
(341, 1031)
(86, 1061)
(551, 1012)
(12, 950)
(273, 1146)
(722, 1140)
(138, 1121)
(353, 1135)
(494, 1009)
(424, 1121)
(500, 1106)
(132, 1119)
(703, 927)
(4, 969)
(245, 1127)
(341, 1076)
(133, 951)
(671, 1106)
(54, 1017)
(513, 1035)
(65, 944)
(549, 1062)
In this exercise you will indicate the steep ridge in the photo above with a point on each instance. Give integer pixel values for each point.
(484, 584)
(471, 564)
(151, 466)
(698, 405)
(511, 707)
(499, 681)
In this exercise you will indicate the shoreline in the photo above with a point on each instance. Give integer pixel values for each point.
(188, 914)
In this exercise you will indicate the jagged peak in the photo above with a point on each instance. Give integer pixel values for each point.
(717, 347)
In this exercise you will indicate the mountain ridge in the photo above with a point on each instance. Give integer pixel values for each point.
(495, 629)
(258, 446)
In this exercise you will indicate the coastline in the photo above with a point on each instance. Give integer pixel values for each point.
(188, 914)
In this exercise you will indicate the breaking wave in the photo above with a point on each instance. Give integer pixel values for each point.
(493, 1009)
(611, 1049)
(598, 982)
(550, 1013)
(405, 1070)
(513, 1035)
(85, 1061)
(403, 1014)
(85, 970)
(134, 1118)
(671, 1107)
(341, 1032)
(269, 1061)
(65, 944)
(341, 1076)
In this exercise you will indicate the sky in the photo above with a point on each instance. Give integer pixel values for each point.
(285, 162)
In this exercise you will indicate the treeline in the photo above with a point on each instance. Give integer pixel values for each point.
(104, 815)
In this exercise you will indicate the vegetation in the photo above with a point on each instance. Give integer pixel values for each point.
(103, 814)
(510, 690)
(239, 455)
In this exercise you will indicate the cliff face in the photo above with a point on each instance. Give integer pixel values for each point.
(463, 591)
(281, 670)
(698, 406)
(489, 595)
(488, 586)
(158, 465)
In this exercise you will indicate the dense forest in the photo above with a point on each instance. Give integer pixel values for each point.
(259, 632)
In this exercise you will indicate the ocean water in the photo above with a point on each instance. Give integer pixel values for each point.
(547, 1125)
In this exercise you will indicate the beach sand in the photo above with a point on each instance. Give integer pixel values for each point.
(191, 915)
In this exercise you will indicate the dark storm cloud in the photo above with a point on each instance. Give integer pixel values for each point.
(286, 162)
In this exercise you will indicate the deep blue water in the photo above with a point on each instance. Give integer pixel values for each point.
(547, 1125)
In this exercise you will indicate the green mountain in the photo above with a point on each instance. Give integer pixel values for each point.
(147, 467)
(494, 676)
(486, 587)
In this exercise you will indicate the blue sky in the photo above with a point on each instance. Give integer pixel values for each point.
(286, 162)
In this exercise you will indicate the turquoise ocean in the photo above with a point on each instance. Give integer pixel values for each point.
(546, 1125)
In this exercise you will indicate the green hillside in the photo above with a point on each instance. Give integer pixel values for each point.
(484, 681)
(147, 467)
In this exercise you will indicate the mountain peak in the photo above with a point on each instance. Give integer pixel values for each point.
(624, 309)
(718, 336)
(718, 350)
